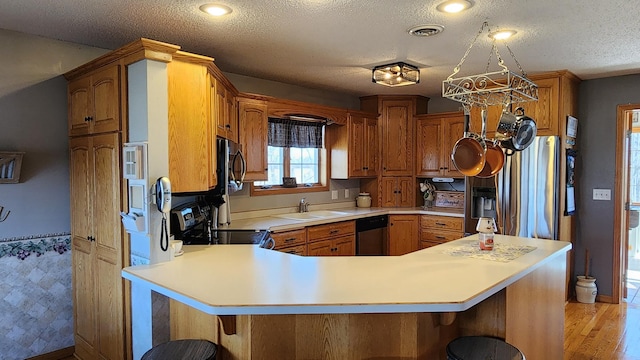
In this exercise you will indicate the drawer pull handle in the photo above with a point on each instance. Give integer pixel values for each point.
(334, 231)
(440, 237)
(289, 239)
(441, 224)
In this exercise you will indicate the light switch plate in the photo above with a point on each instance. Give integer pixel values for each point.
(334, 194)
(601, 194)
(346, 193)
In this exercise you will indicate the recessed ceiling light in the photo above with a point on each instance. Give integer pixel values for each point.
(216, 9)
(454, 6)
(502, 34)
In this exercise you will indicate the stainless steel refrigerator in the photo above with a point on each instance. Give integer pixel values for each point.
(524, 196)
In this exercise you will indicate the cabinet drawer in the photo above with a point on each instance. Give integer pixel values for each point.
(439, 236)
(296, 250)
(428, 244)
(289, 238)
(441, 222)
(320, 232)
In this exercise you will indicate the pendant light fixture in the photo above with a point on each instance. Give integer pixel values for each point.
(396, 74)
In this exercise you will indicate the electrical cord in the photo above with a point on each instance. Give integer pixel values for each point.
(164, 234)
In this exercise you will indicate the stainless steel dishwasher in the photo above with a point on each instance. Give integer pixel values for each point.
(371, 235)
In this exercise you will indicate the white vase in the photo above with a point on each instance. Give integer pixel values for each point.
(586, 290)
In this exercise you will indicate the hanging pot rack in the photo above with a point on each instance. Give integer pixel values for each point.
(502, 87)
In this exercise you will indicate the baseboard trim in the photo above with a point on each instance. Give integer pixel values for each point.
(55, 355)
(605, 299)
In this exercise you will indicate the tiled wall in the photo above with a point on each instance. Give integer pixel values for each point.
(36, 309)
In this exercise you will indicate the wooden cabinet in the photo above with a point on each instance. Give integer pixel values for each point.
(225, 116)
(397, 191)
(397, 137)
(192, 159)
(557, 96)
(403, 234)
(293, 241)
(354, 147)
(93, 102)
(97, 242)
(254, 129)
(334, 239)
(435, 230)
(436, 134)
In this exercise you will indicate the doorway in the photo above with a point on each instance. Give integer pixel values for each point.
(626, 284)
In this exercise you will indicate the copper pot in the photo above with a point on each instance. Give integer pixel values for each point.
(494, 157)
(468, 153)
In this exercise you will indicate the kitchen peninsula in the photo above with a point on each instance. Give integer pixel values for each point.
(263, 304)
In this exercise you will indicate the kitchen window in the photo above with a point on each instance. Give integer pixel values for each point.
(295, 150)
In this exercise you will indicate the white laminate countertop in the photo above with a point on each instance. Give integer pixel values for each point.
(246, 279)
(277, 223)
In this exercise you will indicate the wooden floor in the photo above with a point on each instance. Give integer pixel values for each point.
(602, 331)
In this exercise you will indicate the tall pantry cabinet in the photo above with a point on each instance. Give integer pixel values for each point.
(395, 184)
(96, 191)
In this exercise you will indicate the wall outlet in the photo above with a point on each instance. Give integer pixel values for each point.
(346, 193)
(334, 194)
(601, 194)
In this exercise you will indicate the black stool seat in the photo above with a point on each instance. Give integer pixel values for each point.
(182, 350)
(482, 348)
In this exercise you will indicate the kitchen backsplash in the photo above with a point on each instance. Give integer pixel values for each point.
(35, 302)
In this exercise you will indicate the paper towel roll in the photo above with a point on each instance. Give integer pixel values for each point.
(222, 214)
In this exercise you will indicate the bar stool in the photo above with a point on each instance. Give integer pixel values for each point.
(189, 349)
(482, 348)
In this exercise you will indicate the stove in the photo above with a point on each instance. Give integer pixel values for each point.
(191, 223)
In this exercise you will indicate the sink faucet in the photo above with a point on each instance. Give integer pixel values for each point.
(303, 206)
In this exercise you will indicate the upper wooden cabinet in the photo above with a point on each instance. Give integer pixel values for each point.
(397, 191)
(396, 130)
(93, 102)
(557, 96)
(354, 147)
(436, 134)
(192, 157)
(254, 129)
(225, 116)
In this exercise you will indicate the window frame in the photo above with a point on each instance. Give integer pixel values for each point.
(322, 185)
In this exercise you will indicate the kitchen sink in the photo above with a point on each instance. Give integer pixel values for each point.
(311, 215)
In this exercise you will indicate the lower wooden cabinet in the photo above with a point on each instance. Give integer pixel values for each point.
(403, 234)
(292, 242)
(435, 230)
(334, 239)
(98, 247)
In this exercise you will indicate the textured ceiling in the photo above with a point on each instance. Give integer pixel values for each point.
(333, 44)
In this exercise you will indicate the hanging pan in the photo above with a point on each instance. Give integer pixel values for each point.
(468, 153)
(494, 157)
(515, 131)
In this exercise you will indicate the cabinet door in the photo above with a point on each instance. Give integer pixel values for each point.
(429, 143)
(106, 100)
(406, 192)
(253, 137)
(79, 106)
(403, 234)
(397, 138)
(232, 117)
(344, 246)
(220, 99)
(108, 243)
(320, 248)
(82, 255)
(357, 146)
(389, 191)
(453, 131)
(370, 160)
(545, 110)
